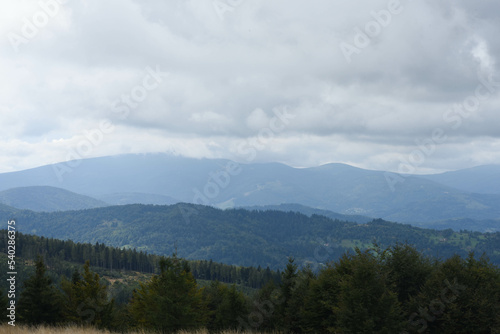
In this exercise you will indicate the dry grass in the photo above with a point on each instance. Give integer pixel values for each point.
(6, 329)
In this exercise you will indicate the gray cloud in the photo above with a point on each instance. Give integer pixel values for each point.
(229, 72)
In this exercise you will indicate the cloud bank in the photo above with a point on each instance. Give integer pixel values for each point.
(366, 83)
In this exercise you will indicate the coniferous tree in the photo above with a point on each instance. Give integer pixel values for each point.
(87, 299)
(226, 306)
(320, 300)
(73, 297)
(287, 315)
(265, 307)
(366, 304)
(171, 300)
(461, 296)
(40, 302)
(300, 321)
(407, 269)
(4, 303)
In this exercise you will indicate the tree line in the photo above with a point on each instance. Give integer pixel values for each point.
(392, 290)
(57, 253)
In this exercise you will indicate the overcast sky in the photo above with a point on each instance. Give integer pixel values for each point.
(299, 82)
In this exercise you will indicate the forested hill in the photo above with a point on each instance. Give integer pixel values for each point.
(63, 255)
(242, 237)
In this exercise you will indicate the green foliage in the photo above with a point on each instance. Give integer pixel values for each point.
(286, 313)
(226, 306)
(111, 261)
(381, 290)
(40, 302)
(264, 309)
(237, 237)
(171, 300)
(320, 301)
(4, 303)
(366, 302)
(87, 299)
(407, 270)
(460, 296)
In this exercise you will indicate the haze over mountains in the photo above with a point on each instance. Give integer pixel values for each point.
(45, 198)
(165, 179)
(481, 179)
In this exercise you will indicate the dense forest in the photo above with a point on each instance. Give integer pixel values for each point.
(242, 237)
(61, 256)
(392, 290)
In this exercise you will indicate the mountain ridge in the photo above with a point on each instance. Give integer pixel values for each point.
(223, 183)
(483, 179)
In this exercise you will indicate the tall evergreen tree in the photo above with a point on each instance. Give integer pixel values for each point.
(171, 300)
(286, 312)
(407, 269)
(40, 302)
(297, 304)
(366, 303)
(265, 308)
(87, 299)
(226, 306)
(461, 296)
(320, 300)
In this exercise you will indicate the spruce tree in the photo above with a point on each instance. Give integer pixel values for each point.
(226, 306)
(366, 303)
(40, 302)
(461, 296)
(171, 300)
(286, 313)
(87, 299)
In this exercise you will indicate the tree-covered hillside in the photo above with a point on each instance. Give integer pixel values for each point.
(63, 255)
(380, 290)
(241, 237)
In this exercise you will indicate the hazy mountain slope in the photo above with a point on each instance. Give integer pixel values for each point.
(350, 190)
(335, 187)
(137, 198)
(44, 198)
(142, 173)
(8, 211)
(481, 179)
(239, 237)
(481, 225)
(308, 211)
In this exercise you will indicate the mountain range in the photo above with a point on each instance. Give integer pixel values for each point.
(461, 199)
